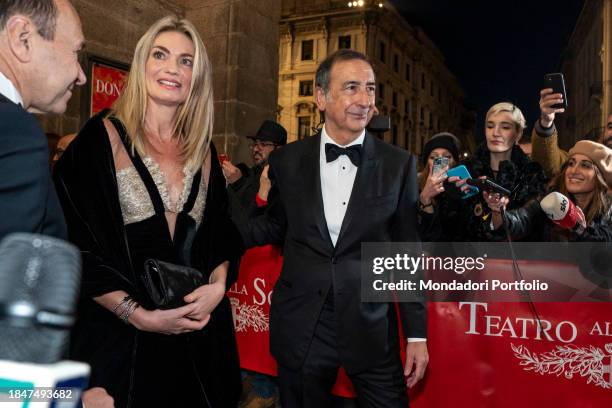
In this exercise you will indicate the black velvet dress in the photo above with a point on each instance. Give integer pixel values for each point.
(143, 369)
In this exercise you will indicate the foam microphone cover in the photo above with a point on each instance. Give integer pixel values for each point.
(561, 210)
(40, 278)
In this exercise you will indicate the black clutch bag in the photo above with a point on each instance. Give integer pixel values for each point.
(167, 284)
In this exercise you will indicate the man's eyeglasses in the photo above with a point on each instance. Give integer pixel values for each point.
(260, 144)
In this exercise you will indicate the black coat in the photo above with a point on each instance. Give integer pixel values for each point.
(522, 176)
(382, 208)
(242, 192)
(28, 202)
(86, 183)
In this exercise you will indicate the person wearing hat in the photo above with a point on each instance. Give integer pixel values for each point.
(438, 211)
(244, 182)
(584, 179)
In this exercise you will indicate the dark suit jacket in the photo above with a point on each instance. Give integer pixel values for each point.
(382, 208)
(28, 202)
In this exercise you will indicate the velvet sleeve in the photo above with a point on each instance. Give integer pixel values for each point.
(83, 180)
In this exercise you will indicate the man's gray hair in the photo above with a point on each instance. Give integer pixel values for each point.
(42, 12)
(324, 70)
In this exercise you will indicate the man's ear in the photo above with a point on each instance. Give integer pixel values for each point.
(320, 98)
(20, 32)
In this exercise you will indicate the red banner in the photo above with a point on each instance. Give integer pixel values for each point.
(107, 83)
(481, 354)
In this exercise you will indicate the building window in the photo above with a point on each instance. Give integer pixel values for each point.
(431, 88)
(395, 99)
(381, 51)
(381, 91)
(408, 72)
(344, 41)
(422, 81)
(307, 50)
(407, 139)
(305, 88)
(422, 115)
(396, 63)
(406, 106)
(303, 127)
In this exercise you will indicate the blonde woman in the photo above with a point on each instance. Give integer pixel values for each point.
(143, 181)
(500, 159)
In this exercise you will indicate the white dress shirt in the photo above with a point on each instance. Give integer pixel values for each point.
(337, 179)
(9, 91)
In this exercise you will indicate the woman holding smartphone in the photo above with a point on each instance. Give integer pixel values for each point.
(437, 211)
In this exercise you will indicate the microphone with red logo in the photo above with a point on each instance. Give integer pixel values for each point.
(563, 212)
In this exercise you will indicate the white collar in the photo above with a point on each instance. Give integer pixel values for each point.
(326, 139)
(8, 90)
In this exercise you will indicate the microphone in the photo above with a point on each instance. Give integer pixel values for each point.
(40, 279)
(563, 212)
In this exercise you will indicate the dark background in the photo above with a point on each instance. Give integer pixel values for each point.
(498, 51)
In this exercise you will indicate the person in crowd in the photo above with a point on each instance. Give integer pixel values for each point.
(544, 137)
(500, 159)
(606, 137)
(248, 193)
(243, 182)
(39, 69)
(331, 192)
(141, 182)
(439, 210)
(584, 179)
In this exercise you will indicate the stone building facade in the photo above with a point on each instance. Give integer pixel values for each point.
(241, 37)
(414, 86)
(587, 67)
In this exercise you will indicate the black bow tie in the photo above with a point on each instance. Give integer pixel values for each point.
(332, 152)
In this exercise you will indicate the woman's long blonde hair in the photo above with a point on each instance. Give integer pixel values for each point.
(194, 123)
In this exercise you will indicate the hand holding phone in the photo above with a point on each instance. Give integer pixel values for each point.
(489, 186)
(556, 82)
(463, 174)
(439, 164)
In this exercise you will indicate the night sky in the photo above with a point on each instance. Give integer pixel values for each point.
(497, 51)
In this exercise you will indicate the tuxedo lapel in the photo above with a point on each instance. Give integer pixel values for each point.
(363, 178)
(312, 188)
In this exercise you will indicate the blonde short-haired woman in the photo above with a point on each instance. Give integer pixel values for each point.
(500, 159)
(142, 181)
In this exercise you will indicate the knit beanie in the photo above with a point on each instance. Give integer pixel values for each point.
(443, 140)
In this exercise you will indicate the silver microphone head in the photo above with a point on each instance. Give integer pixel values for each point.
(40, 280)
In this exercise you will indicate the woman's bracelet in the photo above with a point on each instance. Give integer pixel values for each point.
(424, 206)
(125, 308)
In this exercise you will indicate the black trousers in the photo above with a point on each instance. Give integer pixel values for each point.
(382, 386)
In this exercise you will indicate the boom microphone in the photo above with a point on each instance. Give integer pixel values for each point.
(40, 279)
(563, 212)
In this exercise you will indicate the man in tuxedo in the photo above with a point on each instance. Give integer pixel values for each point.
(330, 193)
(39, 45)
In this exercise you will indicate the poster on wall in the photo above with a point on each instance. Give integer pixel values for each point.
(106, 84)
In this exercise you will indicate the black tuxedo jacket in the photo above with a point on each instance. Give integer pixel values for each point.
(28, 202)
(382, 208)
